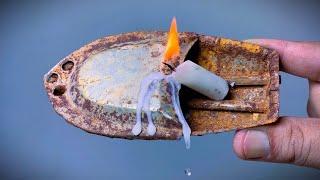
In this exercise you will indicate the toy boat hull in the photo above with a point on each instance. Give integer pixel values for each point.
(96, 87)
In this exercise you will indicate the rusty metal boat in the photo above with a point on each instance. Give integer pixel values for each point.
(96, 87)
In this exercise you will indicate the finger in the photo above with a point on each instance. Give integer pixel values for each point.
(314, 99)
(298, 58)
(291, 140)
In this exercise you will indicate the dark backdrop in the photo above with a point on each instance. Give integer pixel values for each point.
(35, 143)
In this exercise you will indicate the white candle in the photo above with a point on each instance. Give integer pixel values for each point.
(201, 80)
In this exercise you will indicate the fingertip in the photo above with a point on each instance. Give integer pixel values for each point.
(238, 143)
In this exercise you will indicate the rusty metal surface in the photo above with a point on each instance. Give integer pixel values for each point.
(255, 98)
(96, 87)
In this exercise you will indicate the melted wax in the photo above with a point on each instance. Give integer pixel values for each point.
(148, 86)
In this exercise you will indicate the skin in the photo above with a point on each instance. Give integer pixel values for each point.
(291, 140)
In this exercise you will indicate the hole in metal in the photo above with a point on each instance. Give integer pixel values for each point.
(52, 78)
(279, 79)
(59, 90)
(67, 66)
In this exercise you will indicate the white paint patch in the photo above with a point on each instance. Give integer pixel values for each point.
(109, 78)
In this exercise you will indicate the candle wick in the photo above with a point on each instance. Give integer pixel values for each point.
(170, 67)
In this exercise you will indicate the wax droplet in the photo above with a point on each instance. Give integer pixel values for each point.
(137, 129)
(151, 129)
(187, 171)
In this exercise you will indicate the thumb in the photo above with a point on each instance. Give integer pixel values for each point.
(290, 140)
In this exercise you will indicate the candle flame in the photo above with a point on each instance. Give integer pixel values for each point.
(173, 47)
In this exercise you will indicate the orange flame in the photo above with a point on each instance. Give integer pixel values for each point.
(173, 48)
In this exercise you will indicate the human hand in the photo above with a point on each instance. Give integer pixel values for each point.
(290, 140)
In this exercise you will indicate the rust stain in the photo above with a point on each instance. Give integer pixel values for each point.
(252, 48)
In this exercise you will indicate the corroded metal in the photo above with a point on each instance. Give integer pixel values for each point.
(96, 87)
(255, 98)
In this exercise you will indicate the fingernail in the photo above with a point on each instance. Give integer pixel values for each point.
(256, 144)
